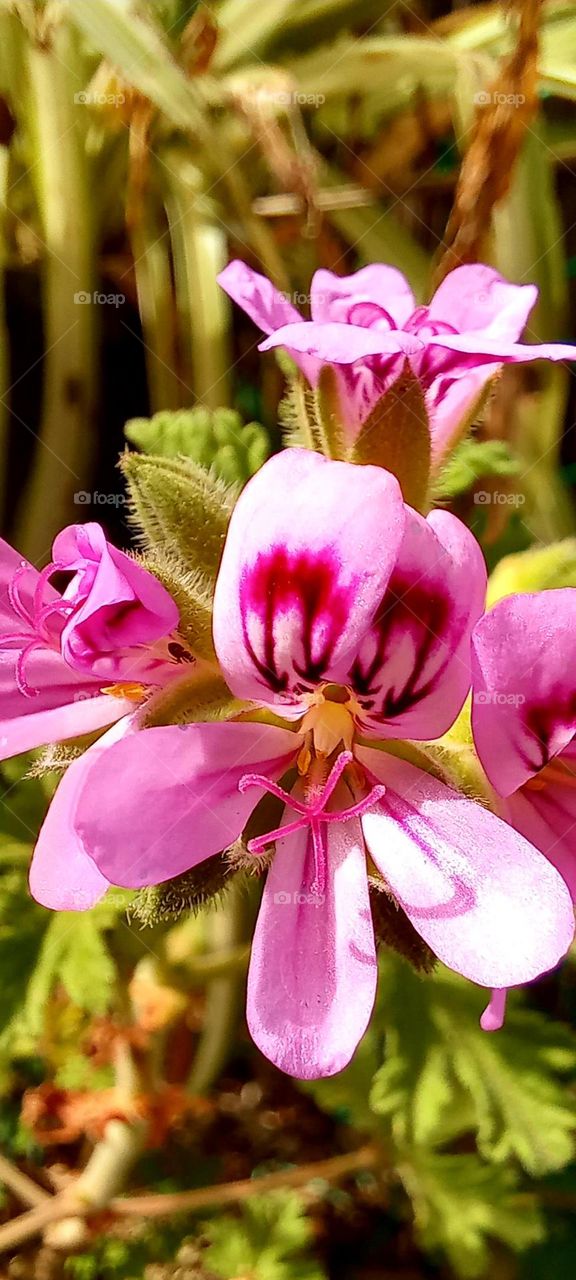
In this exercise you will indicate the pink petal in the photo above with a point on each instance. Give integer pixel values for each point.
(65, 707)
(310, 547)
(476, 297)
(547, 818)
(120, 605)
(61, 875)
(342, 343)
(312, 978)
(486, 348)
(412, 671)
(340, 298)
(486, 902)
(166, 799)
(524, 711)
(451, 400)
(263, 302)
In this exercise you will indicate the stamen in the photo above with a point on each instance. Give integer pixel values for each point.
(28, 690)
(14, 596)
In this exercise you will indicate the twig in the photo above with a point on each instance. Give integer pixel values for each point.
(68, 1204)
(22, 1186)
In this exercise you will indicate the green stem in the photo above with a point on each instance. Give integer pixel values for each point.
(199, 252)
(150, 249)
(66, 435)
(226, 928)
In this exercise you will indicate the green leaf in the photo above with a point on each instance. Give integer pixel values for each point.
(346, 1095)
(444, 1076)
(396, 436)
(269, 1241)
(181, 509)
(537, 569)
(214, 439)
(73, 952)
(460, 1203)
(136, 48)
(472, 460)
(23, 925)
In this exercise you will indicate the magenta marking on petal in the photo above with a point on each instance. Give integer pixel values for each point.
(407, 609)
(495, 1012)
(370, 315)
(306, 583)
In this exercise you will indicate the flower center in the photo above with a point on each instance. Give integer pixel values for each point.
(330, 719)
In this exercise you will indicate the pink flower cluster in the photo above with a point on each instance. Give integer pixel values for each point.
(369, 327)
(351, 628)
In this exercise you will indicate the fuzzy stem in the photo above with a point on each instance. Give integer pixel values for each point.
(66, 435)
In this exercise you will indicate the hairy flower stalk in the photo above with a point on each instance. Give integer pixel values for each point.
(342, 621)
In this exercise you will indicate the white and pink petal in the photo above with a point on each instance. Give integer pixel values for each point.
(312, 978)
(486, 901)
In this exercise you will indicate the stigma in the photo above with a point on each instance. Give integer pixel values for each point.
(329, 720)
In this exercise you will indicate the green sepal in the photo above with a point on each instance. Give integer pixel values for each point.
(471, 461)
(298, 416)
(537, 569)
(181, 509)
(330, 417)
(396, 436)
(193, 592)
(215, 439)
(188, 892)
(200, 694)
(393, 929)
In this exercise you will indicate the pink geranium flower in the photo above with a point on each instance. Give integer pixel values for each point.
(524, 725)
(72, 662)
(524, 717)
(368, 324)
(346, 616)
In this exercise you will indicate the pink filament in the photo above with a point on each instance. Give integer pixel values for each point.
(312, 813)
(35, 617)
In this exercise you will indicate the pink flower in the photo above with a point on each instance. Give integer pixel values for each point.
(368, 325)
(71, 663)
(524, 718)
(346, 616)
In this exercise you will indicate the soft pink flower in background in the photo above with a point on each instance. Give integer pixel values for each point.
(368, 324)
(348, 616)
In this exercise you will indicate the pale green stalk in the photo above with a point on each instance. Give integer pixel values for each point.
(59, 170)
(157, 306)
(199, 252)
(226, 930)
